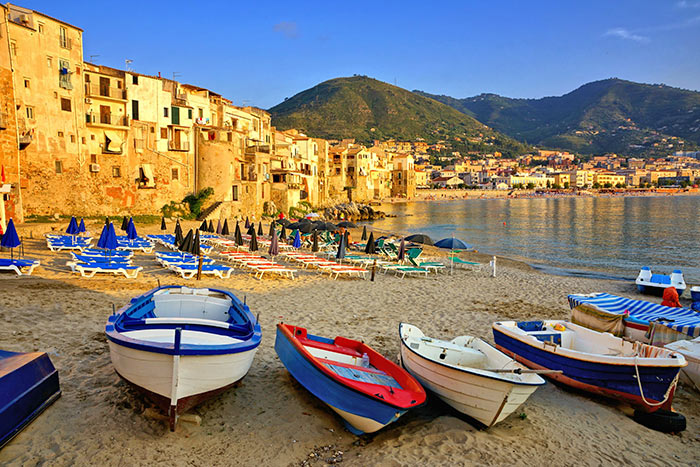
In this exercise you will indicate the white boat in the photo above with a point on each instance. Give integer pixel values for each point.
(182, 345)
(690, 349)
(468, 374)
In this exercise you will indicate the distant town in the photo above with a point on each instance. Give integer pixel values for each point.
(81, 138)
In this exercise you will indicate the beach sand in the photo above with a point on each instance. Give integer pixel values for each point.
(269, 419)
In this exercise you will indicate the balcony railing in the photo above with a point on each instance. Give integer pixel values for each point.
(180, 99)
(107, 119)
(252, 149)
(183, 146)
(96, 90)
(65, 42)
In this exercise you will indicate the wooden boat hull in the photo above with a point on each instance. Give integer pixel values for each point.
(616, 381)
(361, 413)
(28, 385)
(199, 377)
(486, 400)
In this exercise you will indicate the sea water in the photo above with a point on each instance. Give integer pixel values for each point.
(599, 236)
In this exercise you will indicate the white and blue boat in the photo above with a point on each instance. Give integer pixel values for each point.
(634, 319)
(28, 385)
(695, 296)
(364, 388)
(655, 284)
(182, 346)
(641, 375)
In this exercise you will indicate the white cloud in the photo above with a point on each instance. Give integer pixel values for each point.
(687, 4)
(626, 34)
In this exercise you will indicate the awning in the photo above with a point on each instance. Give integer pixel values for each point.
(148, 175)
(113, 141)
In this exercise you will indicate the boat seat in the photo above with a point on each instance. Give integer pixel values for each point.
(198, 321)
(329, 347)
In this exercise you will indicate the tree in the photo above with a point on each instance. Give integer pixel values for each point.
(608, 185)
(566, 185)
(596, 185)
(556, 186)
(549, 184)
(530, 186)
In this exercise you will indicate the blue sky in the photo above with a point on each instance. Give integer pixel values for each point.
(259, 52)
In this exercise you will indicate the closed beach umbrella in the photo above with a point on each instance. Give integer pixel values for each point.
(247, 223)
(364, 233)
(72, 227)
(260, 230)
(402, 250)
(420, 238)
(297, 240)
(81, 227)
(162, 223)
(203, 226)
(106, 220)
(340, 254)
(237, 237)
(195, 246)
(184, 246)
(178, 235)
(111, 242)
(224, 229)
(211, 226)
(103, 234)
(253, 242)
(251, 229)
(274, 244)
(272, 228)
(10, 239)
(218, 227)
(314, 245)
(452, 244)
(370, 248)
(131, 230)
(283, 233)
(125, 223)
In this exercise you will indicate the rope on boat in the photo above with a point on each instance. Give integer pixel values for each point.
(641, 391)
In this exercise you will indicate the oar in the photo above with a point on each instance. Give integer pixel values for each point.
(519, 371)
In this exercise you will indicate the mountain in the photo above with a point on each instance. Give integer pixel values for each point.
(367, 109)
(611, 115)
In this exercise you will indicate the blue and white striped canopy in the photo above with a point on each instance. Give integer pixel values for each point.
(685, 321)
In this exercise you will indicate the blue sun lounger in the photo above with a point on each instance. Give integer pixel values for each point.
(23, 267)
(90, 269)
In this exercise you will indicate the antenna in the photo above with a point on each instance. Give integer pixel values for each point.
(176, 74)
(127, 62)
(93, 57)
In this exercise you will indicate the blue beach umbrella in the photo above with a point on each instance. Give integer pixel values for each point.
(452, 244)
(103, 234)
(10, 239)
(81, 227)
(109, 239)
(297, 240)
(131, 230)
(73, 228)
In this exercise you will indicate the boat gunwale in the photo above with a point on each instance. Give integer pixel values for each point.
(469, 370)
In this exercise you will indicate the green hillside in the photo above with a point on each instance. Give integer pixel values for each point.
(367, 109)
(603, 116)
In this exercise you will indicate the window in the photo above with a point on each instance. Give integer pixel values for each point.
(175, 173)
(189, 114)
(63, 37)
(30, 113)
(13, 48)
(153, 129)
(59, 167)
(92, 137)
(49, 62)
(119, 84)
(116, 171)
(135, 110)
(87, 78)
(64, 74)
(134, 79)
(165, 111)
(60, 134)
(72, 138)
(65, 104)
(234, 193)
(176, 115)
(82, 139)
(163, 133)
(230, 136)
(201, 113)
(93, 158)
(26, 83)
(41, 28)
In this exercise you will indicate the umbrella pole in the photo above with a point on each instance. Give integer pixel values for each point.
(199, 268)
(452, 255)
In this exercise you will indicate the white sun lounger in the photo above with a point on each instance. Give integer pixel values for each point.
(23, 267)
(188, 271)
(90, 269)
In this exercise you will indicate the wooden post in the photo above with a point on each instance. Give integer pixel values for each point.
(374, 269)
(199, 268)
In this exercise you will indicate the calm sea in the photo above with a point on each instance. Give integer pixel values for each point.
(613, 236)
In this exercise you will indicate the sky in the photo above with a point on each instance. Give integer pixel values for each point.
(261, 52)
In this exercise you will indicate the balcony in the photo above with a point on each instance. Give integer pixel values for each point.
(65, 42)
(182, 146)
(180, 99)
(95, 90)
(253, 148)
(107, 119)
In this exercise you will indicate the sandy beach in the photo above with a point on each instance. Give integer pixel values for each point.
(270, 419)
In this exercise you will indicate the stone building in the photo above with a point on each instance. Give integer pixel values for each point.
(403, 177)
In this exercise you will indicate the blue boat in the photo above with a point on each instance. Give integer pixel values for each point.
(641, 375)
(632, 318)
(364, 388)
(655, 284)
(182, 346)
(28, 385)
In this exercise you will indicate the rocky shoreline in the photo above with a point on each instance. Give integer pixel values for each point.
(353, 212)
